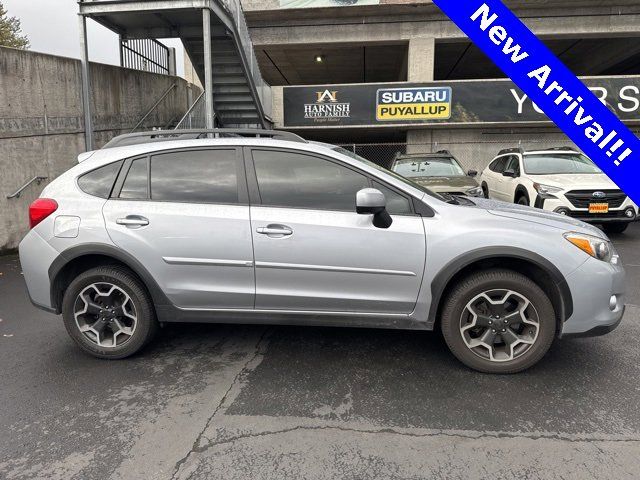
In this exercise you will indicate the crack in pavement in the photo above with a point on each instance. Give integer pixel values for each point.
(194, 447)
(444, 433)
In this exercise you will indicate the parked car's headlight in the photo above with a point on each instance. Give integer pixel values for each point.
(475, 192)
(546, 189)
(594, 246)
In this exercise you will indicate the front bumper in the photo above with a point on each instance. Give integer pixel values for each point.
(593, 286)
(615, 215)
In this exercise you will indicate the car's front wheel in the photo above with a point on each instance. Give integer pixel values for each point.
(108, 312)
(498, 321)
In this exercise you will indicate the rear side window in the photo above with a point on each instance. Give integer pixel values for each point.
(136, 185)
(195, 176)
(99, 182)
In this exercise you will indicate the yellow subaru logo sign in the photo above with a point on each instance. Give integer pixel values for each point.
(426, 103)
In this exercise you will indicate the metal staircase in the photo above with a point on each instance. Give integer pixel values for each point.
(216, 38)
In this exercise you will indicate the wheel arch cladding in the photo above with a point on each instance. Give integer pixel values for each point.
(539, 269)
(521, 191)
(81, 258)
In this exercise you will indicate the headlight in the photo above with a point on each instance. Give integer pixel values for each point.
(546, 189)
(475, 192)
(594, 246)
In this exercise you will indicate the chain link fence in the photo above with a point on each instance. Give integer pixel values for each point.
(472, 155)
(473, 149)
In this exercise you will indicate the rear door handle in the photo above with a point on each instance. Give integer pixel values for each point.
(275, 230)
(133, 221)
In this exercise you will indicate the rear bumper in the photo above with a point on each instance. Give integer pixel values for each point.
(593, 287)
(36, 256)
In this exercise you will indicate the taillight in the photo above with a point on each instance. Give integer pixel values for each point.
(40, 209)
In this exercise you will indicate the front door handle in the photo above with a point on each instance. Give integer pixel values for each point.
(276, 231)
(133, 221)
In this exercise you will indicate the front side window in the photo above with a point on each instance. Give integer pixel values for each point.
(296, 180)
(99, 182)
(195, 176)
(499, 165)
(429, 167)
(396, 204)
(513, 164)
(557, 164)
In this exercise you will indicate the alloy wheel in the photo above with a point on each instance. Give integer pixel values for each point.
(105, 314)
(499, 325)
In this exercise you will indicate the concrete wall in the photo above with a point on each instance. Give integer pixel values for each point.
(41, 122)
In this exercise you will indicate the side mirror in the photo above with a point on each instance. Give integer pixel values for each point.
(472, 173)
(509, 173)
(370, 201)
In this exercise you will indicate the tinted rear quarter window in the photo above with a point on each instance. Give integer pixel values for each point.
(195, 176)
(99, 182)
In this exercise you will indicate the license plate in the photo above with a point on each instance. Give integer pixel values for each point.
(598, 208)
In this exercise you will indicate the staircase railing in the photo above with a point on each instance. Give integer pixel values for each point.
(155, 105)
(195, 116)
(38, 179)
(263, 88)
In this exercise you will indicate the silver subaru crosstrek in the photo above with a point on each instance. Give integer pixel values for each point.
(254, 226)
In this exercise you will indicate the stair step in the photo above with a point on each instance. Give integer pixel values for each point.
(235, 109)
(223, 80)
(226, 99)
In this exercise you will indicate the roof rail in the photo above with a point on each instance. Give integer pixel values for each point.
(169, 135)
(565, 148)
(505, 151)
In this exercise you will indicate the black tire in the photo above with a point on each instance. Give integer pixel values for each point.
(469, 288)
(485, 190)
(124, 279)
(615, 227)
(523, 200)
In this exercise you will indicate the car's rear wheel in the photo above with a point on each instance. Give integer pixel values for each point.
(615, 227)
(485, 190)
(498, 321)
(108, 312)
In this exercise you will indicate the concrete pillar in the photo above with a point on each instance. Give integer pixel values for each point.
(172, 61)
(208, 68)
(421, 63)
(420, 68)
(86, 84)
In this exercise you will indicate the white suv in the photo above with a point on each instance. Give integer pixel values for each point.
(562, 180)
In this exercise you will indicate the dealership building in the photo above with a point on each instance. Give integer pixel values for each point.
(388, 76)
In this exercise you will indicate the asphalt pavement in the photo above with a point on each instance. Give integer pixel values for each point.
(248, 402)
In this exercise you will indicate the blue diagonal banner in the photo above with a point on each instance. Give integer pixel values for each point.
(589, 123)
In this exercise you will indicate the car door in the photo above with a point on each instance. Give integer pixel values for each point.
(509, 184)
(185, 216)
(313, 252)
(498, 189)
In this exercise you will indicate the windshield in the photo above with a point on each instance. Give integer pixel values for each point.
(405, 180)
(432, 167)
(555, 164)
